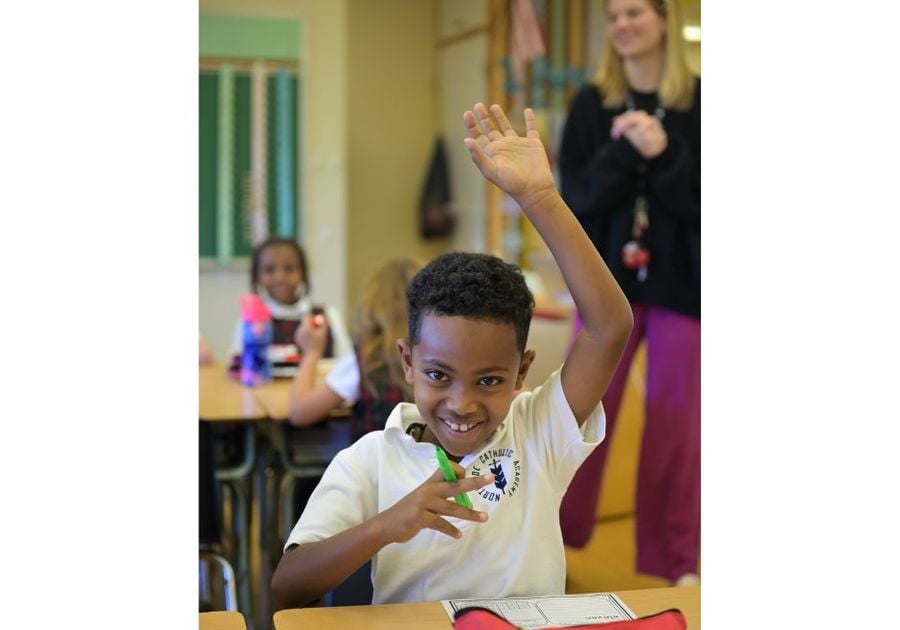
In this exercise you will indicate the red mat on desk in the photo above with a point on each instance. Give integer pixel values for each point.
(476, 618)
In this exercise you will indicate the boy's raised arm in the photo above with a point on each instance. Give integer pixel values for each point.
(519, 166)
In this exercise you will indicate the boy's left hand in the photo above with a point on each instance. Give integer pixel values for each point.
(518, 165)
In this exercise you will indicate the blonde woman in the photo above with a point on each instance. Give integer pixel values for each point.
(371, 377)
(630, 171)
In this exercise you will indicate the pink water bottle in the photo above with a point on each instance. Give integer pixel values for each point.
(256, 330)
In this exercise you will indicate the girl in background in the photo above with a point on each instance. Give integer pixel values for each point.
(280, 276)
(630, 171)
(370, 376)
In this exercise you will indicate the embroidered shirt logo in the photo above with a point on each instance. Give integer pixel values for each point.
(507, 471)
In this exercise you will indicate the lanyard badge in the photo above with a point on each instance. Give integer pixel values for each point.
(635, 255)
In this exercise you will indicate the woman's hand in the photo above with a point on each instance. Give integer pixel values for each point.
(645, 132)
(311, 335)
(425, 506)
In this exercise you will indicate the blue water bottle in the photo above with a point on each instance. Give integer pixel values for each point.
(256, 328)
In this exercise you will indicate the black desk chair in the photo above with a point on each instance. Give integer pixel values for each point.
(356, 590)
(304, 454)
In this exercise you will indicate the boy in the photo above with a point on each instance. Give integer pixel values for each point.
(384, 498)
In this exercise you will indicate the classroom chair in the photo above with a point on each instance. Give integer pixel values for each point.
(304, 454)
(356, 590)
(235, 456)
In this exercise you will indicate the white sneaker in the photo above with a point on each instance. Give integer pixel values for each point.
(688, 579)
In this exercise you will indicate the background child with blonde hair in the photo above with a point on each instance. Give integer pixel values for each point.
(370, 376)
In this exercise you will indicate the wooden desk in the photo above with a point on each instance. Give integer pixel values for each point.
(223, 401)
(222, 398)
(222, 621)
(273, 396)
(431, 615)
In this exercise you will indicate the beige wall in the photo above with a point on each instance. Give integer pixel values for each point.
(391, 129)
(322, 165)
(369, 117)
(462, 81)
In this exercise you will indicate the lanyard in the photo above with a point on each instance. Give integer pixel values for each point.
(659, 112)
(635, 254)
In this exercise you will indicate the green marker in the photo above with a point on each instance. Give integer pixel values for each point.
(449, 475)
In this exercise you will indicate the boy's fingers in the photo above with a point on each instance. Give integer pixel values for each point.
(531, 124)
(473, 130)
(487, 124)
(439, 524)
(460, 486)
(481, 160)
(437, 475)
(502, 121)
(449, 507)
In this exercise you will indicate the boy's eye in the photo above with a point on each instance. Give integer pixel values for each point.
(436, 375)
(489, 381)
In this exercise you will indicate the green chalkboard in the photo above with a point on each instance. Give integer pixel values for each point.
(208, 97)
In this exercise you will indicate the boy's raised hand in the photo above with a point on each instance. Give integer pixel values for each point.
(518, 165)
(425, 506)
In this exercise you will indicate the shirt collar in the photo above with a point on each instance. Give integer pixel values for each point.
(287, 311)
(405, 414)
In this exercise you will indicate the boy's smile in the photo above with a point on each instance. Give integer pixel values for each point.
(464, 374)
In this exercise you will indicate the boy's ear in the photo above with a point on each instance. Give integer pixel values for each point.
(524, 365)
(406, 359)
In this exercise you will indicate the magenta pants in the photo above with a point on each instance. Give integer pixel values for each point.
(668, 483)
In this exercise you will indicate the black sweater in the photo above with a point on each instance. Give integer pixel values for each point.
(600, 182)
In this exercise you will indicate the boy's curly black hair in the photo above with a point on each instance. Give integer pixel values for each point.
(476, 286)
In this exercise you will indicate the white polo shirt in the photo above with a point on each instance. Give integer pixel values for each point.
(343, 377)
(534, 454)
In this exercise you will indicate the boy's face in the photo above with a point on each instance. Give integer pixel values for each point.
(464, 374)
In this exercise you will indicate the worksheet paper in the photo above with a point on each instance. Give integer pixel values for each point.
(551, 610)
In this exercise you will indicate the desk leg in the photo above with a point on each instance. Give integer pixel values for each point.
(241, 526)
(286, 504)
(236, 478)
(262, 575)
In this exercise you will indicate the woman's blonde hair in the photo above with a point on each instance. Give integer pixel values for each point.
(380, 319)
(676, 89)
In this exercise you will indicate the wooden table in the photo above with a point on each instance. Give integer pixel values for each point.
(273, 396)
(222, 621)
(431, 615)
(224, 402)
(224, 399)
